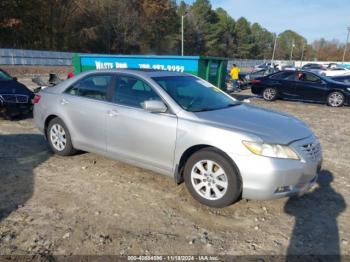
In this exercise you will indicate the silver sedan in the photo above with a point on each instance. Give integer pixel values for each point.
(184, 127)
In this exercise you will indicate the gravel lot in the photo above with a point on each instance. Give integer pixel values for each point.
(88, 204)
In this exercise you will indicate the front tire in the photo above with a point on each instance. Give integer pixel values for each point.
(212, 179)
(270, 94)
(59, 138)
(335, 99)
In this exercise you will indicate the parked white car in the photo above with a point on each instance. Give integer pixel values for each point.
(331, 70)
(335, 71)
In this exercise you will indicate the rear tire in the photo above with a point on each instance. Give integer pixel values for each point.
(59, 138)
(336, 99)
(270, 94)
(212, 179)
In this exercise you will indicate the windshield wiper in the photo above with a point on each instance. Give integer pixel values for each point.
(216, 108)
(235, 104)
(204, 109)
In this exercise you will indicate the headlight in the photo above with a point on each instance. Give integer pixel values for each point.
(270, 150)
(348, 88)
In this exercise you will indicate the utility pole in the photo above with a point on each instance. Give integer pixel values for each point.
(291, 52)
(182, 35)
(274, 50)
(302, 54)
(346, 45)
(182, 31)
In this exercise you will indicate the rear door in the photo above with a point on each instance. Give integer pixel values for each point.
(84, 108)
(136, 135)
(284, 82)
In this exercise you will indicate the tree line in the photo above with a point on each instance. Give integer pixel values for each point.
(148, 27)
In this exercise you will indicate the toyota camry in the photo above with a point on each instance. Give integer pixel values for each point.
(181, 126)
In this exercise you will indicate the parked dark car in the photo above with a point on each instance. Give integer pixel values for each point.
(313, 66)
(15, 98)
(264, 72)
(302, 85)
(344, 79)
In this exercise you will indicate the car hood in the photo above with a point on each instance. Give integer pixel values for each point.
(271, 126)
(14, 87)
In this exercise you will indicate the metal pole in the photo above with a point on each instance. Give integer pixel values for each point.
(291, 52)
(182, 35)
(346, 45)
(302, 55)
(274, 50)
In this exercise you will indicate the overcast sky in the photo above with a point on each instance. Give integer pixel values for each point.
(311, 18)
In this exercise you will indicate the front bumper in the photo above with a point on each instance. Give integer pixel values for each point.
(347, 98)
(267, 178)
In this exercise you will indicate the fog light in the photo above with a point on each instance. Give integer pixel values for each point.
(283, 189)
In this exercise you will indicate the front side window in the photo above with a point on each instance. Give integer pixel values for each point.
(194, 94)
(308, 77)
(94, 87)
(131, 91)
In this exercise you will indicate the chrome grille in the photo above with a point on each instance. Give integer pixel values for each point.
(14, 98)
(312, 150)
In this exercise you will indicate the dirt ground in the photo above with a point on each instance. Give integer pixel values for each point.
(88, 204)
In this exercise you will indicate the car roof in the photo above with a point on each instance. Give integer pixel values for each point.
(142, 73)
(295, 72)
(138, 72)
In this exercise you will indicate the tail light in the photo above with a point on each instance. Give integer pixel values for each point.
(256, 82)
(36, 99)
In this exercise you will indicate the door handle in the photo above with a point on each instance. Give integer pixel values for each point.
(113, 113)
(64, 101)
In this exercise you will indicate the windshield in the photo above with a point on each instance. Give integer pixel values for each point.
(194, 94)
(4, 76)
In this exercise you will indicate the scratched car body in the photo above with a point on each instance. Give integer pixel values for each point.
(184, 127)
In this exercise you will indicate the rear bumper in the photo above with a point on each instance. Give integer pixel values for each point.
(39, 119)
(257, 90)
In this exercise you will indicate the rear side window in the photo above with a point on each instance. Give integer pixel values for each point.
(282, 75)
(94, 87)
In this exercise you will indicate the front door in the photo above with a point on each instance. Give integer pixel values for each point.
(135, 135)
(310, 87)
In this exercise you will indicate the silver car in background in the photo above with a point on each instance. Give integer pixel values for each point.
(184, 127)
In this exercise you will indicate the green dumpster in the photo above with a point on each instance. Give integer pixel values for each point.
(212, 69)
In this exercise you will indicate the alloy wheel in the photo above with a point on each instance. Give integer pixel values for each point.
(58, 137)
(335, 99)
(269, 93)
(209, 179)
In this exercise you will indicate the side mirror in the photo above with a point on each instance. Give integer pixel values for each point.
(154, 106)
(15, 78)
